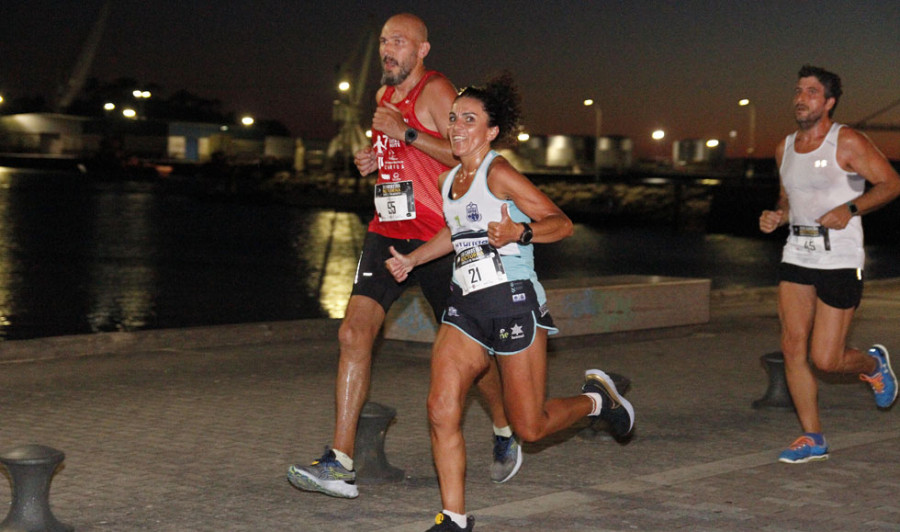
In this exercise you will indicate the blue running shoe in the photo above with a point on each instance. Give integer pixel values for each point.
(804, 449)
(507, 458)
(325, 475)
(883, 381)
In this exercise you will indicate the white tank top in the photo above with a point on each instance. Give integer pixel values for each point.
(815, 184)
(468, 217)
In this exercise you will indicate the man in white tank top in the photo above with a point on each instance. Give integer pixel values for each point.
(824, 167)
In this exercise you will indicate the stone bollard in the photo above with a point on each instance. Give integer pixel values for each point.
(31, 469)
(369, 460)
(777, 396)
(597, 430)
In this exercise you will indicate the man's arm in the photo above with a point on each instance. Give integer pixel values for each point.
(772, 220)
(856, 153)
(365, 159)
(433, 111)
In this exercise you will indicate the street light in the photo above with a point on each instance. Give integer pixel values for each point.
(751, 147)
(247, 120)
(598, 120)
(658, 135)
(751, 143)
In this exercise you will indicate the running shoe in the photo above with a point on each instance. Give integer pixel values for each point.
(883, 381)
(804, 449)
(507, 458)
(443, 523)
(616, 410)
(325, 475)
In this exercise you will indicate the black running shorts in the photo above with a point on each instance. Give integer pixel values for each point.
(502, 318)
(375, 281)
(840, 288)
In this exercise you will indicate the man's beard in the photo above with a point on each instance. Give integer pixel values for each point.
(389, 79)
(809, 120)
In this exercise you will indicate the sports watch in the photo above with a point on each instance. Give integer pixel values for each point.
(854, 210)
(526, 236)
(411, 135)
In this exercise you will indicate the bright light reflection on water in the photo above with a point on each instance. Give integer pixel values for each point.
(79, 257)
(337, 238)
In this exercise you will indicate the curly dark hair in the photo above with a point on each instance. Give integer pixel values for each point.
(829, 80)
(502, 104)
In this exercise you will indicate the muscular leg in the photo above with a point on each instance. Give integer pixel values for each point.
(456, 361)
(828, 348)
(359, 328)
(524, 390)
(491, 388)
(797, 309)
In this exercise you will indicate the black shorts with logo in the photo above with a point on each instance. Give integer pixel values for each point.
(502, 318)
(375, 281)
(841, 288)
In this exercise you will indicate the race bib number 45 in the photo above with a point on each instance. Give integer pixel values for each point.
(811, 237)
(478, 267)
(395, 201)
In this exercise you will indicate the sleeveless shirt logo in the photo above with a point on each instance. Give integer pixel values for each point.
(472, 213)
(388, 162)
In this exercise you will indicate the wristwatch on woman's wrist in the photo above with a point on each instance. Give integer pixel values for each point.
(526, 236)
(854, 210)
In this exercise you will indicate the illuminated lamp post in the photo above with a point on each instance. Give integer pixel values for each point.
(140, 96)
(247, 120)
(751, 142)
(658, 135)
(598, 122)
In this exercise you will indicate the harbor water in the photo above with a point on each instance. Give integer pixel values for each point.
(80, 256)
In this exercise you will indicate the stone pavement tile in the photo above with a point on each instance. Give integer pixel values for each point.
(199, 439)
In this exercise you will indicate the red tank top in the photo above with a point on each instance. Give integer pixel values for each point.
(399, 162)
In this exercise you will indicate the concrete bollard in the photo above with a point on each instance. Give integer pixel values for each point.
(777, 396)
(597, 430)
(31, 469)
(369, 459)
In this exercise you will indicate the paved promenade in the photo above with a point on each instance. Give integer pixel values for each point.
(194, 430)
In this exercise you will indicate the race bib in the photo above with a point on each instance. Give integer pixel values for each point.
(812, 238)
(395, 201)
(478, 267)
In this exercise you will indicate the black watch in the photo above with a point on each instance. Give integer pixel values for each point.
(854, 210)
(411, 135)
(526, 236)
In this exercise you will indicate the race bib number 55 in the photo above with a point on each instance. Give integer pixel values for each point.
(395, 201)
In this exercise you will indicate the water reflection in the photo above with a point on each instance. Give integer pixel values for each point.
(333, 241)
(79, 257)
(121, 290)
(6, 266)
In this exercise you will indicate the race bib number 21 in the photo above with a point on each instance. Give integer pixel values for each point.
(478, 267)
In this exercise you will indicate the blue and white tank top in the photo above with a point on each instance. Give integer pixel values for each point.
(468, 217)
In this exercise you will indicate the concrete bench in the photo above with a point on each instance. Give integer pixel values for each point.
(583, 306)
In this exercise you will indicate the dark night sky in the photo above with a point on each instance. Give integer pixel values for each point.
(678, 65)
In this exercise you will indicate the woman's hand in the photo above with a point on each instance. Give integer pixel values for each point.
(505, 231)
